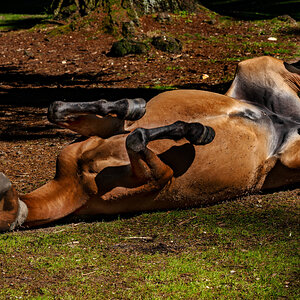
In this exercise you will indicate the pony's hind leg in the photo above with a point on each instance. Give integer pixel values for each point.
(101, 118)
(125, 109)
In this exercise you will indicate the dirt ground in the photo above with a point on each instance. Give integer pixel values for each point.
(50, 63)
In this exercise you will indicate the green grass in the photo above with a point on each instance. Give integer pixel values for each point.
(281, 48)
(244, 249)
(259, 29)
(160, 87)
(20, 21)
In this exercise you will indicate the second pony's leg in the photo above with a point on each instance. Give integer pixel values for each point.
(101, 118)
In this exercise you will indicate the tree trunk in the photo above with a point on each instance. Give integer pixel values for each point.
(151, 6)
(137, 7)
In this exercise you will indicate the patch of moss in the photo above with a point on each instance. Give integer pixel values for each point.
(62, 29)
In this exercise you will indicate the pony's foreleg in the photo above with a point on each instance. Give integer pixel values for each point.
(148, 172)
(99, 118)
(145, 164)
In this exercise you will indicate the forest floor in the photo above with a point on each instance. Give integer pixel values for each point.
(70, 62)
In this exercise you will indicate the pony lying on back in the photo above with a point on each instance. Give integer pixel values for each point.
(185, 148)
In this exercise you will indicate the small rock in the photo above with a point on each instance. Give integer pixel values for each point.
(273, 39)
(167, 44)
(28, 53)
(211, 21)
(287, 18)
(128, 29)
(126, 46)
(164, 17)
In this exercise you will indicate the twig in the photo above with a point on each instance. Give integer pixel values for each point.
(147, 238)
(85, 274)
(59, 231)
(186, 221)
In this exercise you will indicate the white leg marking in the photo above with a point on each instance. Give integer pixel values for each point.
(21, 216)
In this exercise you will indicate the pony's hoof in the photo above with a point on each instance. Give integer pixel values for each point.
(200, 134)
(207, 136)
(136, 109)
(56, 112)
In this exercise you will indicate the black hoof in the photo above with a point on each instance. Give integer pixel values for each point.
(200, 134)
(208, 136)
(55, 111)
(137, 140)
(5, 185)
(136, 108)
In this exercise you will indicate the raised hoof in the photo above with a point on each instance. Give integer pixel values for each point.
(136, 108)
(200, 134)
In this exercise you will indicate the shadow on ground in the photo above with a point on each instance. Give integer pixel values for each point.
(37, 90)
(24, 7)
(25, 97)
(235, 213)
(23, 22)
(254, 9)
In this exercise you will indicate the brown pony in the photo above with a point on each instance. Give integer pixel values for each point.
(161, 156)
